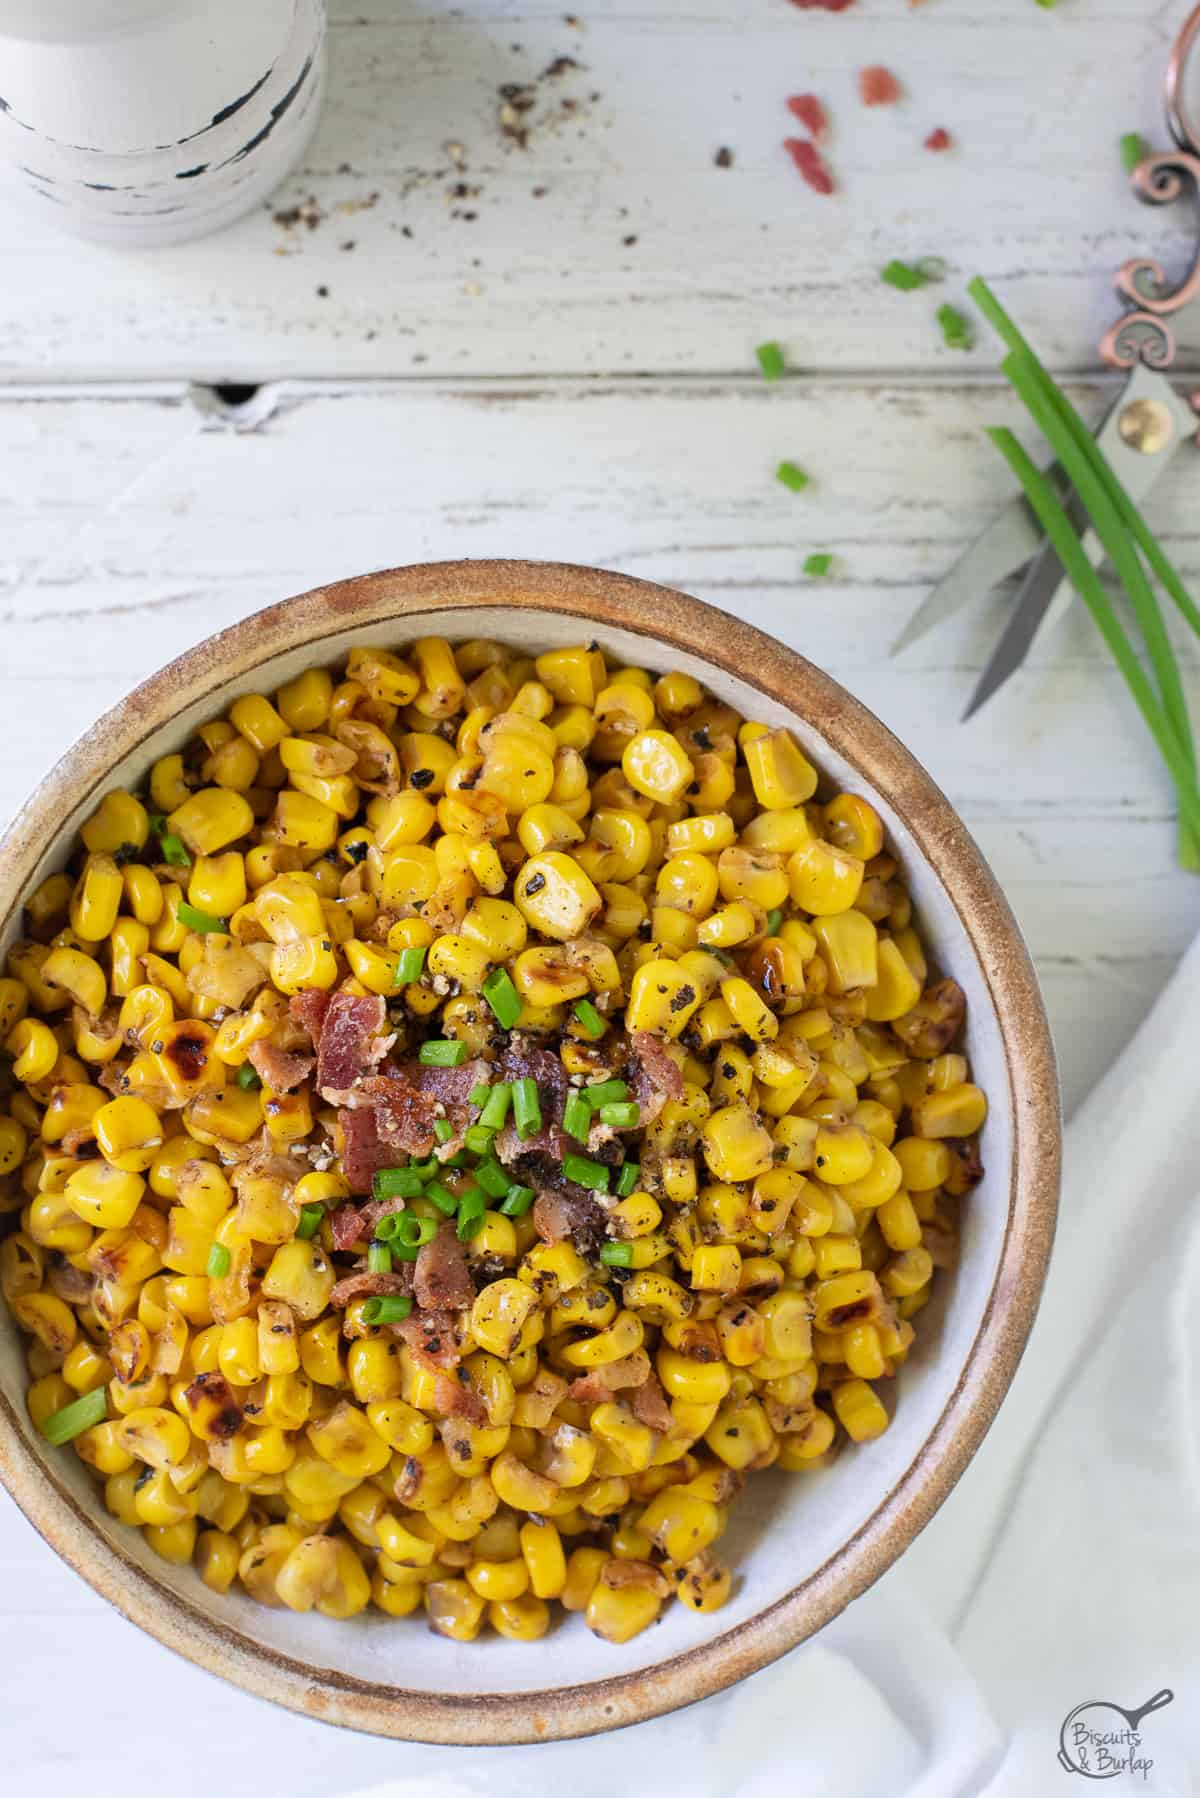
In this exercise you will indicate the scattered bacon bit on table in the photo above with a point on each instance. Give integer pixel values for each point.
(939, 140)
(811, 114)
(878, 86)
(811, 164)
(823, 5)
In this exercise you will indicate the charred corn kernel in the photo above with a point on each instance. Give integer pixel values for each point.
(555, 896)
(957, 1111)
(780, 773)
(907, 1272)
(104, 1196)
(742, 1333)
(662, 997)
(736, 1146)
(301, 1276)
(860, 1411)
(823, 880)
(849, 945)
(846, 1300)
(654, 763)
(453, 1609)
(752, 1017)
(716, 1269)
(619, 1612)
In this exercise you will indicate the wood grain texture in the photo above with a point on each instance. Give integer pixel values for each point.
(543, 276)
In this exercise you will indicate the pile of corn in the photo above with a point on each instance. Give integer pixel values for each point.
(789, 1211)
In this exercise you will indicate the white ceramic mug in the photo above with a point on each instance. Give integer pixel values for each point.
(141, 122)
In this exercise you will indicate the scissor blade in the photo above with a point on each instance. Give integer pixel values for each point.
(1013, 536)
(1033, 600)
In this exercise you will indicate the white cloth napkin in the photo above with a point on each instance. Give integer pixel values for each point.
(1063, 1571)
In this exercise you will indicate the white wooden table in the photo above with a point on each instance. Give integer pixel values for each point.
(468, 346)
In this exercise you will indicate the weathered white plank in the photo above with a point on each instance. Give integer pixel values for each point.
(546, 281)
(130, 528)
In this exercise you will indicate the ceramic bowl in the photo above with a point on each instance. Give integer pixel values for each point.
(803, 1545)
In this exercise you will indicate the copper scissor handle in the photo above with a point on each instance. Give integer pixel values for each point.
(1143, 334)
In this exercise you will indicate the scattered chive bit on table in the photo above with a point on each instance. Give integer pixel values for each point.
(1134, 149)
(771, 362)
(957, 332)
(907, 277)
(819, 563)
(1130, 546)
(793, 477)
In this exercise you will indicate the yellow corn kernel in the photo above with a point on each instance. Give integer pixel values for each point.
(899, 1224)
(498, 1579)
(654, 763)
(680, 1523)
(706, 833)
(574, 676)
(583, 1569)
(731, 925)
(319, 1352)
(258, 721)
(217, 884)
(211, 819)
(694, 1382)
(907, 1272)
(753, 876)
(216, 1557)
(155, 1436)
(736, 1145)
(878, 1184)
(716, 1269)
(741, 1436)
(845, 1300)
(958, 1110)
(896, 989)
(346, 1440)
(741, 1330)
(104, 1196)
(72, 972)
(751, 1016)
(35, 1048)
(523, 1619)
(556, 896)
(302, 822)
(616, 1611)
(129, 1134)
(860, 1411)
(453, 1609)
(843, 1153)
(545, 1562)
(824, 880)
(662, 997)
(787, 1320)
(687, 882)
(499, 1314)
(849, 944)
(835, 1253)
(301, 1276)
(622, 1337)
(119, 822)
(96, 899)
(782, 777)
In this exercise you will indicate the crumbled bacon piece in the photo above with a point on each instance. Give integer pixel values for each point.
(363, 1154)
(308, 1008)
(811, 114)
(404, 1115)
(939, 139)
(599, 1383)
(811, 164)
(573, 1212)
(443, 1279)
(649, 1405)
(823, 5)
(432, 1336)
(453, 1397)
(655, 1076)
(370, 1286)
(352, 1223)
(351, 1042)
(278, 1068)
(878, 86)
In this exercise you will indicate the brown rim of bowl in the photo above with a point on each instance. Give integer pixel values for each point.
(689, 625)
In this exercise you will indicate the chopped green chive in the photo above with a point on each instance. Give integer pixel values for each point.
(518, 1201)
(903, 276)
(620, 1116)
(392, 1309)
(617, 1254)
(589, 1019)
(247, 1079)
(410, 965)
(931, 268)
(407, 1231)
(379, 1258)
(793, 478)
(443, 1129)
(471, 1209)
(174, 852)
(819, 563)
(627, 1179)
(81, 1414)
(397, 1183)
(774, 920)
(527, 1107)
(771, 362)
(442, 1197)
(605, 1092)
(502, 996)
(577, 1117)
(479, 1138)
(956, 328)
(219, 1261)
(494, 1179)
(310, 1221)
(1134, 149)
(201, 921)
(426, 1170)
(157, 822)
(495, 1110)
(443, 1052)
(592, 1174)
(478, 1095)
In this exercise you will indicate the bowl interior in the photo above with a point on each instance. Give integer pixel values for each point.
(786, 1526)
